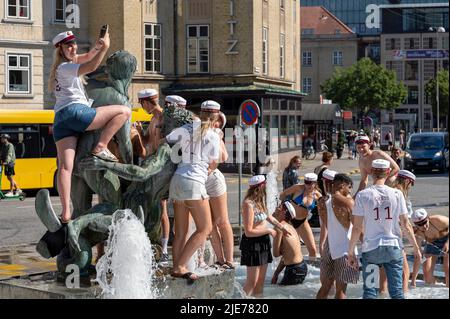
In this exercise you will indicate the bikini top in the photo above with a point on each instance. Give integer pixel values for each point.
(259, 216)
(299, 201)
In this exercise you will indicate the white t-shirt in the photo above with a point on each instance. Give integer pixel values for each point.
(197, 152)
(381, 207)
(69, 88)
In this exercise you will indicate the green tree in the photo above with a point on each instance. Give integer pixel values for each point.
(364, 86)
(430, 89)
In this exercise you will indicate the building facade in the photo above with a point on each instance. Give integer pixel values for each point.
(327, 44)
(415, 54)
(225, 50)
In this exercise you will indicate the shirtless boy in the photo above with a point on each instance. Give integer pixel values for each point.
(367, 156)
(433, 229)
(336, 221)
(289, 248)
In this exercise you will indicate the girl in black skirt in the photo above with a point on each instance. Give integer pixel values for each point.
(255, 243)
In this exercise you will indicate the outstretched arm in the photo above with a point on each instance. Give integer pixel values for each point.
(131, 172)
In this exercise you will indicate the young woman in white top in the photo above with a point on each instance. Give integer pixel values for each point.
(200, 146)
(216, 187)
(73, 114)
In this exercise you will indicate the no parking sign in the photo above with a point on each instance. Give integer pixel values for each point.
(249, 112)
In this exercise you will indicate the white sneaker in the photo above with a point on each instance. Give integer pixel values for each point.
(9, 194)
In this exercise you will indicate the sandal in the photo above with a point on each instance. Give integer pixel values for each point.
(106, 155)
(228, 265)
(189, 276)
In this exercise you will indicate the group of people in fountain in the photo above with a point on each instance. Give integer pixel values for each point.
(377, 216)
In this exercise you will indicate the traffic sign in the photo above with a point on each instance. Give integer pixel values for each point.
(249, 112)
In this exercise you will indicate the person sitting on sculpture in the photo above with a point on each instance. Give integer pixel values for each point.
(73, 114)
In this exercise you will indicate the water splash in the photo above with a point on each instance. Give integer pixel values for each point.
(271, 191)
(126, 269)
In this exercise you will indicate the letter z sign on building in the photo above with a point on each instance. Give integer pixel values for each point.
(249, 112)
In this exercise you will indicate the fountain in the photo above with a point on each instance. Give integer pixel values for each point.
(127, 268)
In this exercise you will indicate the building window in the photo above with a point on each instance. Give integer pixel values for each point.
(18, 9)
(265, 49)
(413, 95)
(306, 58)
(307, 31)
(60, 9)
(282, 55)
(198, 48)
(307, 85)
(18, 72)
(411, 70)
(337, 58)
(152, 39)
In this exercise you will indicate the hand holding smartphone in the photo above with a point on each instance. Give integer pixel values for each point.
(103, 31)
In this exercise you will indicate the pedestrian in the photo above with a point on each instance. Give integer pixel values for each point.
(367, 156)
(291, 172)
(396, 155)
(73, 114)
(304, 199)
(216, 187)
(327, 158)
(376, 138)
(402, 139)
(380, 210)
(255, 243)
(200, 146)
(336, 222)
(389, 139)
(8, 160)
(434, 230)
(288, 248)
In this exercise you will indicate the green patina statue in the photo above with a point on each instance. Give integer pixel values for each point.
(118, 185)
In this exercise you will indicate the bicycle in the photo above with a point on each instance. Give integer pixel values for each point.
(309, 153)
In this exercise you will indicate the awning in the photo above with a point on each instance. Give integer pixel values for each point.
(322, 112)
(244, 90)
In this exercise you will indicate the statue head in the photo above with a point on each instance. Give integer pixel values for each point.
(175, 117)
(120, 67)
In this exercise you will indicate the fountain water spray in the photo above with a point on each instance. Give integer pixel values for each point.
(126, 269)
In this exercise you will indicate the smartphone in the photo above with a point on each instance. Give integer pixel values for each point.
(103, 30)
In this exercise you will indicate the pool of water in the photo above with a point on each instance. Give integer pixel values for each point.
(309, 288)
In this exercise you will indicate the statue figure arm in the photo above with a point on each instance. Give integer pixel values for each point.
(132, 172)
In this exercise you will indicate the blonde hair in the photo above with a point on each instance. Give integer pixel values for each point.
(400, 183)
(207, 119)
(257, 195)
(58, 58)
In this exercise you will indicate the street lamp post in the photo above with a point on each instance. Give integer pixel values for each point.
(437, 30)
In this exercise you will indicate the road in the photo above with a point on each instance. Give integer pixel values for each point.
(20, 225)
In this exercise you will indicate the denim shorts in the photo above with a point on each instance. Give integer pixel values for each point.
(72, 120)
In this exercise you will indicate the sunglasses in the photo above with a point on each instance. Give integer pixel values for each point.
(309, 182)
(421, 223)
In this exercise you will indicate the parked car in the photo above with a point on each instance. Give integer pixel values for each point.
(427, 151)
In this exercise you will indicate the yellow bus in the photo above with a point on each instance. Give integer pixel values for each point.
(31, 133)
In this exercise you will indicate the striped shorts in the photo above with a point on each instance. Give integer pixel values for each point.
(337, 269)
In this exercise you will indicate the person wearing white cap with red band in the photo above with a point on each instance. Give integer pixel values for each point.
(200, 149)
(176, 100)
(288, 248)
(434, 230)
(216, 187)
(255, 243)
(304, 199)
(335, 230)
(367, 156)
(380, 210)
(404, 181)
(73, 114)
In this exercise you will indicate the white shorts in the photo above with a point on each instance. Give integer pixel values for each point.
(215, 184)
(182, 188)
